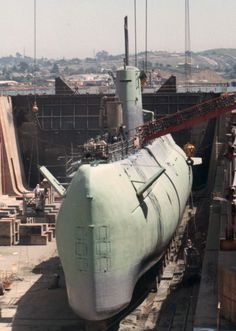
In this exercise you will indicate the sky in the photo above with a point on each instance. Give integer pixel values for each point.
(81, 28)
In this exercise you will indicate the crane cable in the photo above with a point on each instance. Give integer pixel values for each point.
(34, 107)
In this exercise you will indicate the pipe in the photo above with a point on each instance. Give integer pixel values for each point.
(126, 41)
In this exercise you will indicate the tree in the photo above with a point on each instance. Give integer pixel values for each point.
(75, 61)
(66, 70)
(23, 66)
(102, 55)
(55, 69)
(18, 55)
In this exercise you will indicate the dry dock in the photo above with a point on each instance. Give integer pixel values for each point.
(36, 298)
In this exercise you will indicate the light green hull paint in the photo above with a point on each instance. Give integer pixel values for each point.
(58, 187)
(107, 237)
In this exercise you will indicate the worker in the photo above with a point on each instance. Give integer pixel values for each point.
(101, 148)
(189, 243)
(143, 79)
(121, 132)
(45, 186)
(230, 151)
(91, 144)
(189, 150)
(39, 197)
(37, 191)
(191, 258)
(136, 142)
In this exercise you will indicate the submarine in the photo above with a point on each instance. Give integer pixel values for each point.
(119, 214)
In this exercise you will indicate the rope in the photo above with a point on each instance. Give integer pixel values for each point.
(30, 163)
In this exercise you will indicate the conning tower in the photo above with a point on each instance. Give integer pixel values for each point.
(128, 90)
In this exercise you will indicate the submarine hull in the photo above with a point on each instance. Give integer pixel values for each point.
(108, 236)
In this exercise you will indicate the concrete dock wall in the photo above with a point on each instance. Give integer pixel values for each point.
(12, 174)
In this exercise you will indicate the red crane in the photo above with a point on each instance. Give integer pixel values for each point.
(187, 118)
(160, 127)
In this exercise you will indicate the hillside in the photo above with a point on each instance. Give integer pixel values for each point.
(216, 65)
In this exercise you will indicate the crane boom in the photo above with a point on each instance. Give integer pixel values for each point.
(187, 118)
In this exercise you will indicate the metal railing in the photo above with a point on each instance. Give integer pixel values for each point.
(96, 152)
(103, 152)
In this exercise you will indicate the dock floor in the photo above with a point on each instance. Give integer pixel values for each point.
(32, 303)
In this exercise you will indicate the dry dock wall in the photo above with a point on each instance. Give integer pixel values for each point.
(12, 174)
(216, 306)
(65, 121)
(227, 288)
